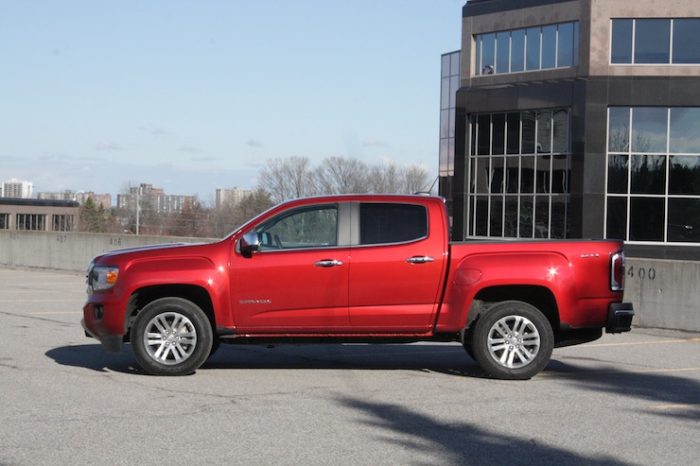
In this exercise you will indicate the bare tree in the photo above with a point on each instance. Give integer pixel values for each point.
(294, 177)
(287, 178)
(415, 179)
(385, 179)
(338, 175)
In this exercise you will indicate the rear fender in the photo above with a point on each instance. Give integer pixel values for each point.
(507, 271)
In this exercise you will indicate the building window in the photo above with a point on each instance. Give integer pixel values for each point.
(4, 221)
(31, 222)
(655, 41)
(519, 174)
(62, 223)
(448, 104)
(536, 48)
(653, 174)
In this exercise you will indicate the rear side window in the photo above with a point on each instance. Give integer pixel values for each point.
(392, 223)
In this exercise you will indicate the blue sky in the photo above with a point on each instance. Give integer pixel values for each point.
(196, 95)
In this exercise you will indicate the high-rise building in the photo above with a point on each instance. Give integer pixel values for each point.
(15, 188)
(230, 196)
(154, 199)
(577, 119)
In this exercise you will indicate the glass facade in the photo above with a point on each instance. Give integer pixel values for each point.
(519, 174)
(655, 41)
(449, 83)
(536, 48)
(653, 174)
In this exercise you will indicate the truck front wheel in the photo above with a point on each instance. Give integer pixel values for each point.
(512, 340)
(171, 336)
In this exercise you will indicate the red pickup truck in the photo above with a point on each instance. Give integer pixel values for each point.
(357, 268)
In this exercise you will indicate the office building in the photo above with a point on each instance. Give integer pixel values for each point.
(38, 215)
(577, 119)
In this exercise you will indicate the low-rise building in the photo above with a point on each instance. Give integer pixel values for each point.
(38, 215)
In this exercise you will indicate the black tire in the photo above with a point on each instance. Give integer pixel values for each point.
(467, 342)
(181, 337)
(215, 345)
(523, 341)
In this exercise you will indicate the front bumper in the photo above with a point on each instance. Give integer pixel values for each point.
(619, 318)
(104, 320)
(110, 343)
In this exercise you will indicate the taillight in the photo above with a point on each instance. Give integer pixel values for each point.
(617, 271)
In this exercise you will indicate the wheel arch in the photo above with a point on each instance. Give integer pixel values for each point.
(146, 295)
(540, 297)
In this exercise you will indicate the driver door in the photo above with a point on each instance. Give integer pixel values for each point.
(298, 279)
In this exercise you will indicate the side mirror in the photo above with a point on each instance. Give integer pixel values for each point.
(249, 243)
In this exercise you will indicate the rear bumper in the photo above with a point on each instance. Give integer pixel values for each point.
(619, 318)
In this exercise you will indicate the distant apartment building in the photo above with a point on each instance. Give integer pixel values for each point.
(38, 215)
(15, 188)
(153, 199)
(230, 196)
(104, 200)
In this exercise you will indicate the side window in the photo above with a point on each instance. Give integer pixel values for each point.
(308, 227)
(392, 223)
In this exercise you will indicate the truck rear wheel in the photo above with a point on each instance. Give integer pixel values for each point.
(171, 336)
(513, 340)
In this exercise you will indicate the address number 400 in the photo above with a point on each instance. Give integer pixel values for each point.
(641, 272)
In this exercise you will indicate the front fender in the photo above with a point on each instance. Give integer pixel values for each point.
(189, 271)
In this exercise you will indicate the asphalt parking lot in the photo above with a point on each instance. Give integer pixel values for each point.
(630, 399)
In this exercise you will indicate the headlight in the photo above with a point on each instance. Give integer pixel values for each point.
(103, 278)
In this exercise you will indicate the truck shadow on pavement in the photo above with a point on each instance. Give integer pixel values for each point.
(94, 358)
(673, 395)
(450, 359)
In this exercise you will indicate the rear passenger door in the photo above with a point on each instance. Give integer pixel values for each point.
(396, 267)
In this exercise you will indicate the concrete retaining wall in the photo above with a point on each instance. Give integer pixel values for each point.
(69, 251)
(665, 293)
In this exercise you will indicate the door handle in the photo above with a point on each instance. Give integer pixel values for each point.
(328, 263)
(420, 260)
